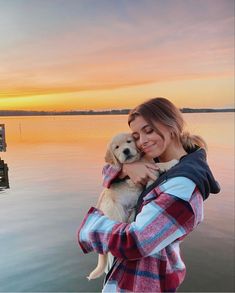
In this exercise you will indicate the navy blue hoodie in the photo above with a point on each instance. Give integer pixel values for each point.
(192, 166)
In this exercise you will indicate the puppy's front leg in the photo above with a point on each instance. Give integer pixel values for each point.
(99, 270)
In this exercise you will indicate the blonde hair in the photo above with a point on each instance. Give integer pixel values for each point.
(163, 111)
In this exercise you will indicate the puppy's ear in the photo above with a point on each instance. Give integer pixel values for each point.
(110, 158)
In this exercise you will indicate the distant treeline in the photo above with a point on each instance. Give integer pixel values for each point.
(93, 112)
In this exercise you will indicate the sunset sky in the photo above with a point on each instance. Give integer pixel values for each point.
(103, 54)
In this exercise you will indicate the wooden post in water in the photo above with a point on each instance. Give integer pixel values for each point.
(3, 144)
(4, 180)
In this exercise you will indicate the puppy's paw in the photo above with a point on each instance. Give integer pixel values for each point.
(150, 182)
(95, 274)
(130, 183)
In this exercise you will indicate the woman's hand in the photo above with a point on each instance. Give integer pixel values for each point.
(140, 172)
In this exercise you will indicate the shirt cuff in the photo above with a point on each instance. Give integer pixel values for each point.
(110, 173)
(85, 246)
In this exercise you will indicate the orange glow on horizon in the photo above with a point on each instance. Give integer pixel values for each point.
(196, 93)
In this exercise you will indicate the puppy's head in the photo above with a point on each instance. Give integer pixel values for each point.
(122, 149)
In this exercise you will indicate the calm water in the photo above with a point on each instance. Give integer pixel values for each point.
(55, 176)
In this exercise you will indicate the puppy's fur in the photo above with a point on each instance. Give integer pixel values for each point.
(119, 201)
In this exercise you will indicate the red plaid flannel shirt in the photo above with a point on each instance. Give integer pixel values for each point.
(147, 250)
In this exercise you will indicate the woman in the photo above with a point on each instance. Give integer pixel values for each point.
(147, 253)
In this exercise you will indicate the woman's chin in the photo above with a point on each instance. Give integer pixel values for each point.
(151, 155)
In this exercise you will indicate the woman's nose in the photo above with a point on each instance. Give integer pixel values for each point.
(143, 139)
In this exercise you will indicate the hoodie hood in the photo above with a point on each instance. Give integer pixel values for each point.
(194, 166)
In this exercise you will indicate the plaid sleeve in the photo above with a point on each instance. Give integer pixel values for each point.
(109, 173)
(95, 230)
(160, 222)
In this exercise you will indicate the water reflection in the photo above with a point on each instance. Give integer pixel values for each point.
(3, 144)
(55, 176)
(4, 180)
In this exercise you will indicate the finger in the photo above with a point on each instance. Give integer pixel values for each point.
(152, 176)
(155, 169)
(139, 183)
(152, 166)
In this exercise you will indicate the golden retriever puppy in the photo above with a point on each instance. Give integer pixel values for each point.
(119, 201)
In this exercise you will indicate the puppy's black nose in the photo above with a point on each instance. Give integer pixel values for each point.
(126, 151)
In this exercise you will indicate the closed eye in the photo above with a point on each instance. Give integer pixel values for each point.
(148, 131)
(135, 137)
(129, 141)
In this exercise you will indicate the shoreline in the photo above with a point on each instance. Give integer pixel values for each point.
(4, 113)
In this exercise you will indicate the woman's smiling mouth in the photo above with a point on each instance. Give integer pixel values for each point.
(148, 148)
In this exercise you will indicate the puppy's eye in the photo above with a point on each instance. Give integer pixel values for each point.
(117, 146)
(129, 141)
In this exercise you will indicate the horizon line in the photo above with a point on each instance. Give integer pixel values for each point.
(103, 112)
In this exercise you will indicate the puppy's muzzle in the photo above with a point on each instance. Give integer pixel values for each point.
(126, 152)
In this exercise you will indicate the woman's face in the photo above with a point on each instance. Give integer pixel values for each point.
(148, 140)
